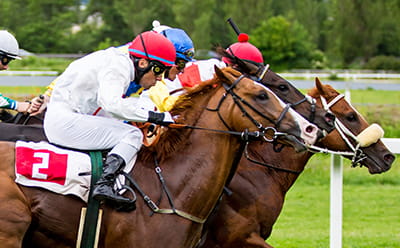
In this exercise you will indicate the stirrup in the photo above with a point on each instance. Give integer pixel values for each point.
(129, 206)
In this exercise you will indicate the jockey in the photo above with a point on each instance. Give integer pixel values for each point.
(102, 80)
(9, 50)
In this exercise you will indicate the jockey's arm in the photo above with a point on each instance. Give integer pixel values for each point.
(9, 103)
(39, 103)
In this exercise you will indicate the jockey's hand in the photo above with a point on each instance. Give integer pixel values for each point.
(38, 105)
(23, 107)
(163, 119)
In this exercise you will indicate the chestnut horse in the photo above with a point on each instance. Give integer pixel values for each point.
(246, 218)
(195, 164)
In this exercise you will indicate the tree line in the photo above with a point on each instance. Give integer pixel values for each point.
(290, 34)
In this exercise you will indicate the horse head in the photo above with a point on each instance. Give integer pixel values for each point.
(304, 105)
(353, 133)
(237, 104)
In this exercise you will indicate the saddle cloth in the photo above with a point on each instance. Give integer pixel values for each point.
(63, 171)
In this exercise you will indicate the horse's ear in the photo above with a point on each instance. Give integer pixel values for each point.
(320, 86)
(225, 75)
(219, 72)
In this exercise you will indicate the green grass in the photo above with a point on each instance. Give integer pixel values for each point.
(371, 205)
(20, 92)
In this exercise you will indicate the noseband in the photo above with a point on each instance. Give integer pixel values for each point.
(357, 154)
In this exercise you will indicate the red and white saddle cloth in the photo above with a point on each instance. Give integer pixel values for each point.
(56, 169)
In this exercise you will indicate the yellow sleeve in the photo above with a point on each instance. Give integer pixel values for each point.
(159, 94)
(50, 87)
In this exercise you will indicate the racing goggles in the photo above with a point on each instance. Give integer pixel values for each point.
(189, 54)
(5, 59)
(158, 68)
(180, 64)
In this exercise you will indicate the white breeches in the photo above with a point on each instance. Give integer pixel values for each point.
(87, 132)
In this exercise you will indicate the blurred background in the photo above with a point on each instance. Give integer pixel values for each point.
(312, 34)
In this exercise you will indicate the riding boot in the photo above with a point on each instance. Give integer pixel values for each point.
(104, 187)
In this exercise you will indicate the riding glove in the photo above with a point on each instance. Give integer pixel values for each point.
(163, 119)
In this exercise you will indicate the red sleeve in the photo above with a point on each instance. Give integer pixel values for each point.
(190, 77)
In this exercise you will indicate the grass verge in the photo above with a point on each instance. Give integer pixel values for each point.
(371, 206)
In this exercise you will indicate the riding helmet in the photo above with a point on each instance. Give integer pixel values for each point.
(153, 46)
(244, 50)
(9, 45)
(181, 40)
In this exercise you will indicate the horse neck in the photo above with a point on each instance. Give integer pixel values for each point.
(197, 172)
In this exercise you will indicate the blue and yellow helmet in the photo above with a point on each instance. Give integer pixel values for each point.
(181, 40)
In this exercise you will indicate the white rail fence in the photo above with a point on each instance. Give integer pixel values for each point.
(310, 74)
(336, 193)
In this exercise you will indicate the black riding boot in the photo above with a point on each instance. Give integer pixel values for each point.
(104, 187)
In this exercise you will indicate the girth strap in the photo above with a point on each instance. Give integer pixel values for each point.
(91, 227)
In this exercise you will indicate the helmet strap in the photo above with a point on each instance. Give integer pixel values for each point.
(139, 71)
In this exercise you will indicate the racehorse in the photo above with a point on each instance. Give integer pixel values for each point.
(195, 164)
(246, 218)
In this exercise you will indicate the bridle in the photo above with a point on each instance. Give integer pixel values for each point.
(356, 153)
(241, 103)
(307, 98)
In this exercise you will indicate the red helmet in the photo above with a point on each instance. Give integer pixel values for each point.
(244, 50)
(153, 46)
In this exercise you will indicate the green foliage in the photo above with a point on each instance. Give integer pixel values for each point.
(362, 29)
(291, 34)
(383, 63)
(284, 44)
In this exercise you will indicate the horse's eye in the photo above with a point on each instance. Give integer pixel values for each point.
(262, 96)
(283, 87)
(351, 117)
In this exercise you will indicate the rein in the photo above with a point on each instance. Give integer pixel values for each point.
(246, 154)
(357, 154)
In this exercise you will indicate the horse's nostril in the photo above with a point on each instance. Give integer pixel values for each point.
(389, 158)
(329, 118)
(309, 129)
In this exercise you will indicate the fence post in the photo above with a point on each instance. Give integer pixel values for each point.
(336, 192)
(336, 201)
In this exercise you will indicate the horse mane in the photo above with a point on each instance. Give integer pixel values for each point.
(187, 109)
